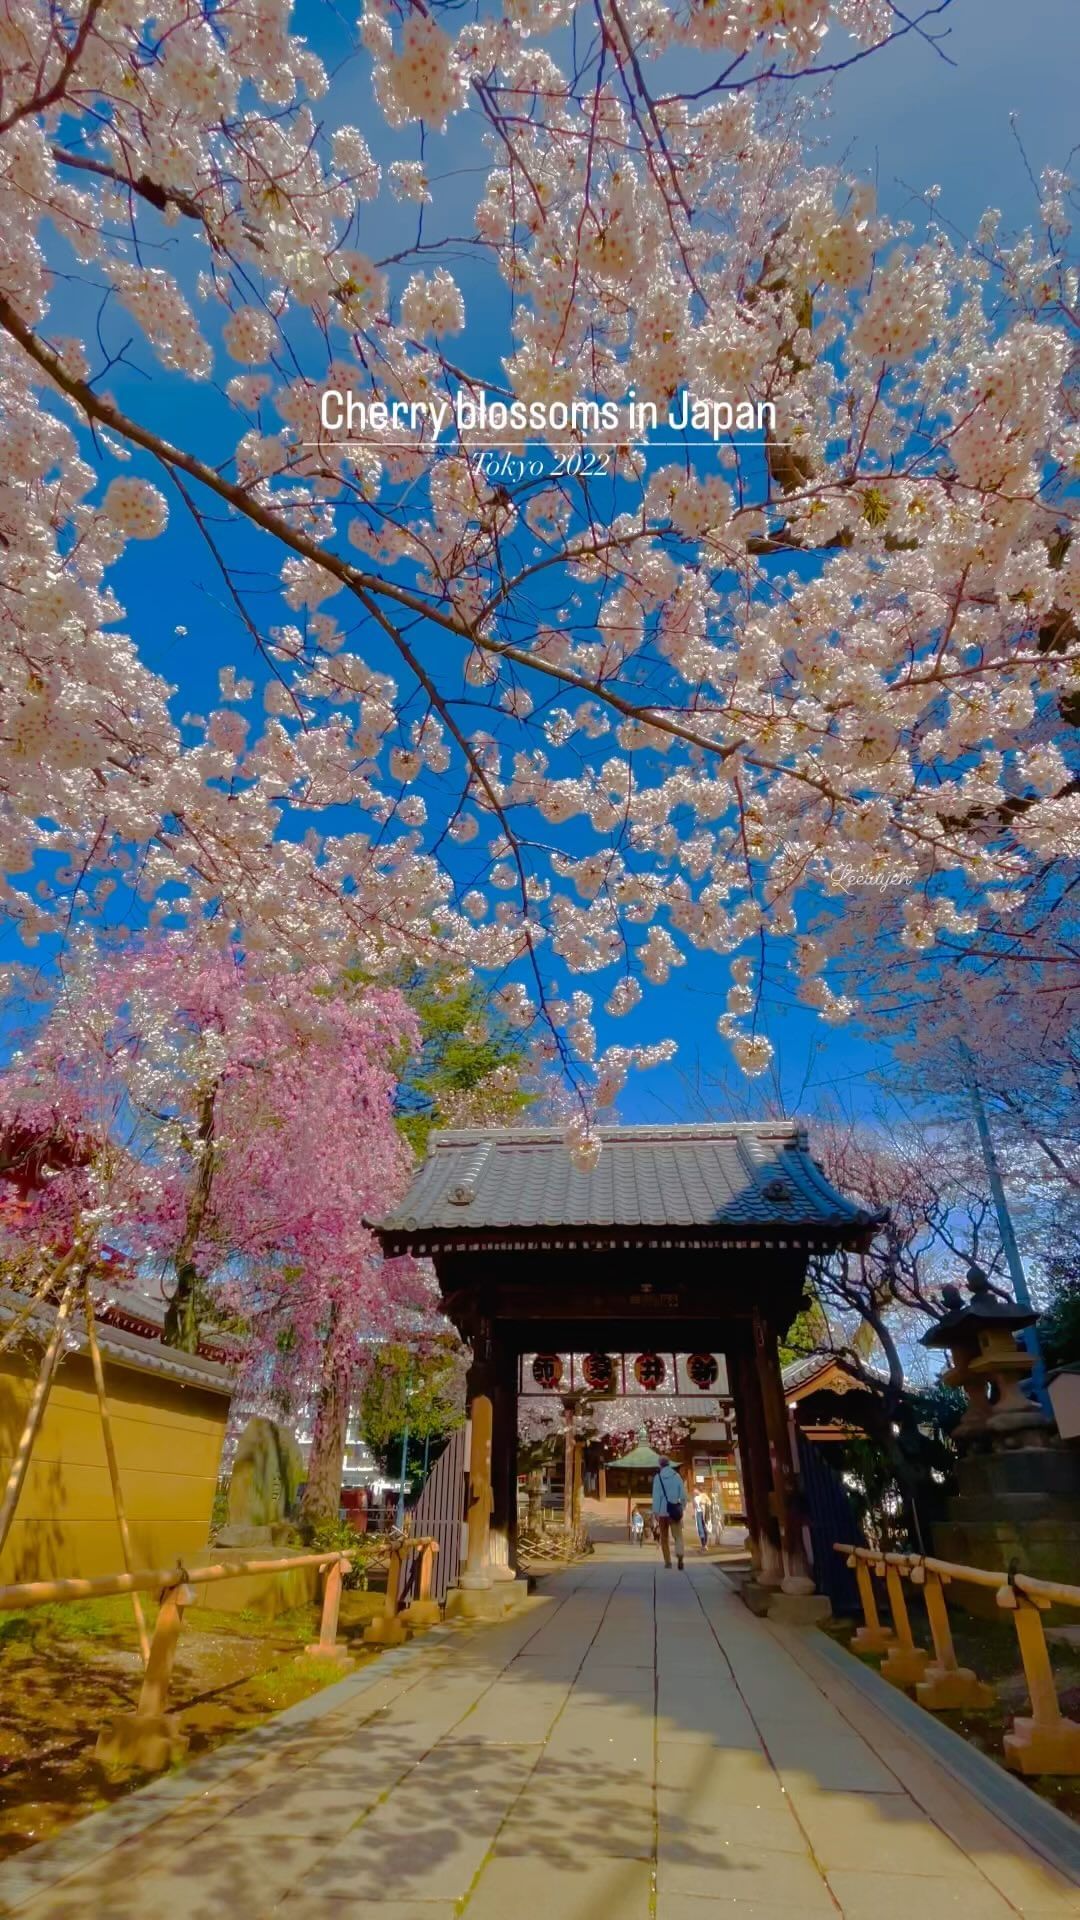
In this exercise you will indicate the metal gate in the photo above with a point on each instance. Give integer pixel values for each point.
(440, 1513)
(831, 1517)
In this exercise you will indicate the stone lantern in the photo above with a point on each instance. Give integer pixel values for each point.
(987, 1363)
(1018, 1497)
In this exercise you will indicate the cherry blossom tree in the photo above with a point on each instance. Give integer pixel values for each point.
(785, 700)
(250, 1112)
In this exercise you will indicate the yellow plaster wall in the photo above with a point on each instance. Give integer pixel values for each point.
(168, 1440)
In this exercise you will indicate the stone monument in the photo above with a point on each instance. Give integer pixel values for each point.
(264, 1487)
(1019, 1482)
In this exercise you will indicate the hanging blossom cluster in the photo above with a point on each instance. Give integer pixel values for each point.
(183, 1092)
(576, 730)
(665, 1420)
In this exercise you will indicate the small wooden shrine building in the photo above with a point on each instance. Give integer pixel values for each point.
(688, 1238)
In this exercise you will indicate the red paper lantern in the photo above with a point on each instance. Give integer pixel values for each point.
(703, 1370)
(599, 1371)
(547, 1370)
(649, 1371)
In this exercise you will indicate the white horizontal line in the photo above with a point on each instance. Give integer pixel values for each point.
(496, 446)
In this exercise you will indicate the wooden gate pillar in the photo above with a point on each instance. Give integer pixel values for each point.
(504, 1379)
(797, 1578)
(754, 1459)
(476, 1572)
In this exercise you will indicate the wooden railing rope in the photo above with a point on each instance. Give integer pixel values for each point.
(149, 1737)
(40, 1593)
(1044, 1741)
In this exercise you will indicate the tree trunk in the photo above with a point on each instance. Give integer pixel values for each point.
(906, 1480)
(322, 1494)
(181, 1327)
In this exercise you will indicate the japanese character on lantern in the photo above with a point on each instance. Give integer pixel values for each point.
(599, 1371)
(649, 1371)
(703, 1370)
(547, 1370)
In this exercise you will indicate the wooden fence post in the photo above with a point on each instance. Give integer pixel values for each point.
(905, 1663)
(424, 1611)
(114, 1469)
(871, 1637)
(387, 1630)
(1044, 1741)
(150, 1738)
(945, 1684)
(328, 1646)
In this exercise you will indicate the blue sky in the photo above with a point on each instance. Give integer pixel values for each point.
(908, 119)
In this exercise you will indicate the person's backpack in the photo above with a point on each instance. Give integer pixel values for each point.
(674, 1507)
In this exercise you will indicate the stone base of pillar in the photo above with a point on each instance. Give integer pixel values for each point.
(422, 1613)
(797, 1583)
(905, 1666)
(476, 1603)
(386, 1630)
(475, 1582)
(798, 1609)
(149, 1741)
(756, 1596)
(946, 1689)
(1032, 1749)
(873, 1640)
(339, 1655)
(486, 1603)
(769, 1571)
(515, 1593)
(499, 1558)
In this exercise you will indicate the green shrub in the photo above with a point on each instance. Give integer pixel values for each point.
(337, 1536)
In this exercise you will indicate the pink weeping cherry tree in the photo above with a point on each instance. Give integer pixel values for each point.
(243, 1141)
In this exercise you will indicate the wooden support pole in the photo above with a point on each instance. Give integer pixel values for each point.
(424, 1611)
(476, 1572)
(150, 1738)
(871, 1637)
(36, 1408)
(154, 1694)
(114, 1469)
(387, 1630)
(1044, 1741)
(502, 1376)
(328, 1646)
(905, 1663)
(945, 1685)
(427, 1566)
(754, 1461)
(21, 1320)
(797, 1578)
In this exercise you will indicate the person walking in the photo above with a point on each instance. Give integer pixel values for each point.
(702, 1518)
(669, 1505)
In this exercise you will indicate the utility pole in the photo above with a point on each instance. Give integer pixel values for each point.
(399, 1519)
(1022, 1291)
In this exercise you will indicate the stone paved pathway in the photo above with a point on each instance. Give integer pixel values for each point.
(633, 1746)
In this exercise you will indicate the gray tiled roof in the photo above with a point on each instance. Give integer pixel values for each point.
(798, 1372)
(743, 1176)
(128, 1349)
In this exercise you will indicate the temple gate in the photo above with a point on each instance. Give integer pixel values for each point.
(689, 1239)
